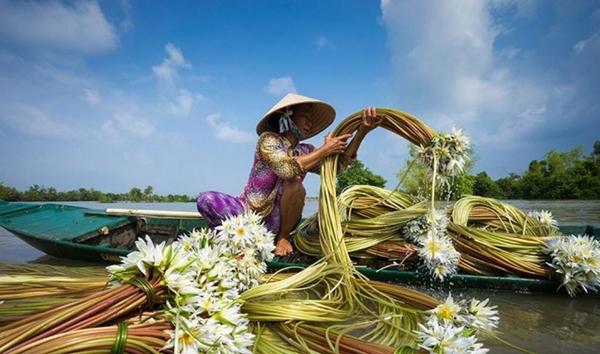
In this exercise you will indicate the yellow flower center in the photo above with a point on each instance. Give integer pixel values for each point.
(446, 312)
(240, 232)
(433, 247)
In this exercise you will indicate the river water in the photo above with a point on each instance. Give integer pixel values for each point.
(538, 322)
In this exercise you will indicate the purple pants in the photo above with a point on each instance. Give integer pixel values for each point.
(216, 207)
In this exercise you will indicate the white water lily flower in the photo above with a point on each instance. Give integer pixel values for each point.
(188, 242)
(439, 255)
(459, 140)
(189, 337)
(205, 272)
(181, 258)
(434, 247)
(230, 314)
(449, 311)
(577, 259)
(146, 257)
(544, 217)
(242, 340)
(445, 337)
(482, 316)
(183, 285)
(207, 302)
(151, 254)
(437, 336)
(464, 344)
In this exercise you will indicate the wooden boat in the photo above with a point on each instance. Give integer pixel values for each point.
(90, 235)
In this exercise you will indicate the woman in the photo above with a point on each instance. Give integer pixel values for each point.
(274, 189)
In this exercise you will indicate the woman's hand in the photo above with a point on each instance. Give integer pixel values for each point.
(370, 120)
(335, 145)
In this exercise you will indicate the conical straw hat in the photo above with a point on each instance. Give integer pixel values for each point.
(321, 113)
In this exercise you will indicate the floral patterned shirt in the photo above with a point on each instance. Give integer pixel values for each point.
(274, 161)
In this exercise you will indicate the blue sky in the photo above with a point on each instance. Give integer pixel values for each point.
(116, 94)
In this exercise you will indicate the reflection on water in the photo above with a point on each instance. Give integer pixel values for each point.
(543, 323)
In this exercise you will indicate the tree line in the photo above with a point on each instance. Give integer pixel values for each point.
(559, 175)
(43, 193)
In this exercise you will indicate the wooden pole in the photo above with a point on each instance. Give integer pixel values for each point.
(154, 213)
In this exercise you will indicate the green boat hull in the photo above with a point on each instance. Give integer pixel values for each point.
(92, 236)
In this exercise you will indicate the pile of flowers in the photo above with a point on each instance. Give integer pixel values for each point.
(205, 272)
(577, 259)
(452, 327)
(450, 151)
(434, 246)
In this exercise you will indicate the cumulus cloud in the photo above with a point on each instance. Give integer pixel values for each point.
(91, 97)
(167, 71)
(128, 122)
(80, 27)
(31, 121)
(225, 132)
(447, 49)
(182, 106)
(280, 86)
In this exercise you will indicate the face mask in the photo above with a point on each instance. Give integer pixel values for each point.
(287, 124)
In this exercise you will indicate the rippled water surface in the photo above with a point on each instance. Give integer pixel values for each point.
(539, 322)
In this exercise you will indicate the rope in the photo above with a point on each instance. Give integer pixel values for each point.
(121, 339)
(145, 286)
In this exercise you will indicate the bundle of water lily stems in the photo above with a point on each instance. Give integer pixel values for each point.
(208, 291)
(477, 235)
(492, 237)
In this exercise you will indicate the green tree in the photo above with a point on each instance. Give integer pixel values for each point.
(357, 173)
(562, 175)
(485, 186)
(415, 178)
(510, 186)
(8, 193)
(149, 193)
(135, 195)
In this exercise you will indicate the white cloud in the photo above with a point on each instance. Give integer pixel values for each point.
(132, 123)
(225, 132)
(126, 23)
(280, 86)
(182, 106)
(510, 52)
(60, 76)
(594, 39)
(33, 122)
(167, 71)
(446, 50)
(80, 27)
(91, 97)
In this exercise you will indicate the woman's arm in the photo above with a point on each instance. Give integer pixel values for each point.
(332, 145)
(369, 122)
